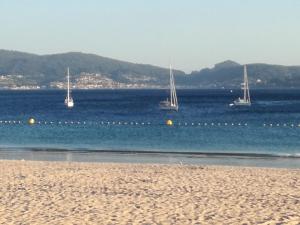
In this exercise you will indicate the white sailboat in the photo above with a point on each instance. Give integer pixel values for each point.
(171, 104)
(245, 101)
(69, 100)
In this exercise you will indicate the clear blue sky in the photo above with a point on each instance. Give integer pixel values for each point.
(193, 34)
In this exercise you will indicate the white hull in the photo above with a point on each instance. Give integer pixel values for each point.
(241, 103)
(166, 105)
(69, 103)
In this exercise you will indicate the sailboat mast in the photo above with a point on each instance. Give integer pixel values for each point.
(171, 91)
(245, 83)
(68, 77)
(174, 91)
(248, 91)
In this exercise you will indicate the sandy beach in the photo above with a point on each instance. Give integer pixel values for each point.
(96, 193)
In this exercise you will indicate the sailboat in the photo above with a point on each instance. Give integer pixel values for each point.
(171, 104)
(245, 101)
(69, 100)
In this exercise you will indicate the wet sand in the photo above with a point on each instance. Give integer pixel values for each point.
(104, 193)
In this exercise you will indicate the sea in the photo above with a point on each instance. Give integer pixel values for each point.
(129, 126)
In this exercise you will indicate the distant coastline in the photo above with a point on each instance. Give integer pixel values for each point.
(19, 70)
(141, 88)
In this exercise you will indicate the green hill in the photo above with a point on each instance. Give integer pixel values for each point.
(43, 69)
(23, 69)
(229, 75)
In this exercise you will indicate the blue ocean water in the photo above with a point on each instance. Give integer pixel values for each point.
(130, 120)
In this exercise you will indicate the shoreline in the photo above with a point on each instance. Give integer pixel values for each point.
(39, 192)
(148, 157)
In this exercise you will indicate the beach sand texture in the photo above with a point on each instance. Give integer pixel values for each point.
(95, 193)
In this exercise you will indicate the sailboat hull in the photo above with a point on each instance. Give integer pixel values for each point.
(69, 103)
(166, 105)
(241, 103)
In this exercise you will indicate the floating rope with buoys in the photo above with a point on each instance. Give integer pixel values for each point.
(32, 121)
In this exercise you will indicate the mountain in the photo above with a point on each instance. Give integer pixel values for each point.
(229, 74)
(226, 64)
(41, 70)
(24, 70)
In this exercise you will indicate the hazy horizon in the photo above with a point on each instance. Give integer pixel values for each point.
(192, 35)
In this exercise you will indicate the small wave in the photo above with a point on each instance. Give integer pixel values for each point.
(160, 152)
(277, 103)
(289, 155)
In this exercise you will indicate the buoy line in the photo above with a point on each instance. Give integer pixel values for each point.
(32, 121)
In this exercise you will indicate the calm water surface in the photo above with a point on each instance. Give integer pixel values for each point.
(130, 120)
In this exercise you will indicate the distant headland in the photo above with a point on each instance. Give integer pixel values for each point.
(19, 70)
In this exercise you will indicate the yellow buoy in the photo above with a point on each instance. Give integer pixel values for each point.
(169, 122)
(31, 121)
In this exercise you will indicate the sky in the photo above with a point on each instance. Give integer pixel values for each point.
(190, 34)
